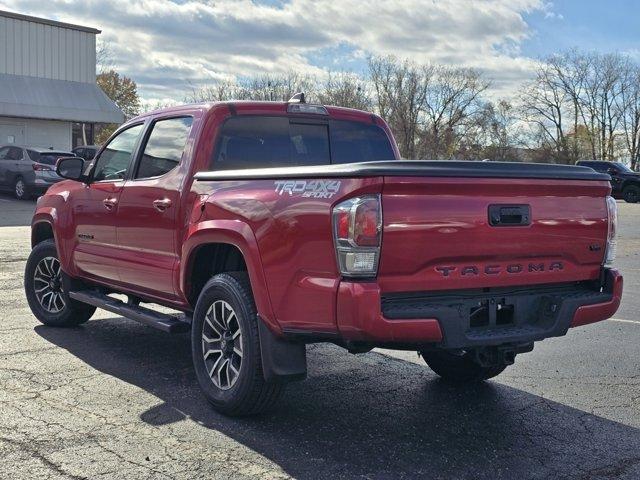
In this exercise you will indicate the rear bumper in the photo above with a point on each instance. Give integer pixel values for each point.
(471, 318)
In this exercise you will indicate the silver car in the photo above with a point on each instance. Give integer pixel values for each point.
(28, 171)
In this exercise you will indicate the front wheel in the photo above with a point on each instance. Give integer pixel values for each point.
(226, 348)
(44, 288)
(631, 194)
(459, 367)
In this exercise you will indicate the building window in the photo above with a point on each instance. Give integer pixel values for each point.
(82, 134)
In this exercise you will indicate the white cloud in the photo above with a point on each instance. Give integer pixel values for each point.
(167, 45)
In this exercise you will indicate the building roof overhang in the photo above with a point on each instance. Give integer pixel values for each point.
(33, 97)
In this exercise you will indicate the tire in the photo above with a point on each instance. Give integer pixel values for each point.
(229, 370)
(631, 194)
(459, 368)
(20, 190)
(55, 309)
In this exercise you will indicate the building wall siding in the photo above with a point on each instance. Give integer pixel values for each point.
(46, 51)
(37, 133)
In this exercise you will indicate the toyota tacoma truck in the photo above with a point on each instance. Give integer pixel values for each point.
(268, 226)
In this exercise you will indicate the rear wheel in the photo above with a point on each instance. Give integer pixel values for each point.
(46, 295)
(459, 367)
(631, 194)
(20, 190)
(226, 348)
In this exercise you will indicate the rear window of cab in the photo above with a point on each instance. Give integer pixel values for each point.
(269, 141)
(47, 158)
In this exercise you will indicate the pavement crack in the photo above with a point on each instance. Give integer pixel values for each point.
(41, 457)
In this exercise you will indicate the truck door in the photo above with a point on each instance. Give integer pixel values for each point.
(95, 206)
(149, 207)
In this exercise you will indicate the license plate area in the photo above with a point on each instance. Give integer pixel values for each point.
(492, 312)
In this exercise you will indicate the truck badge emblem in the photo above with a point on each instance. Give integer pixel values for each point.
(308, 188)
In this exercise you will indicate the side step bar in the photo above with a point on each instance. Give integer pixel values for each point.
(161, 321)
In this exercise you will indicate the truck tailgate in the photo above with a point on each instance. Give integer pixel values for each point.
(438, 235)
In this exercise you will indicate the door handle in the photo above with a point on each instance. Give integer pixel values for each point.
(509, 215)
(109, 202)
(161, 204)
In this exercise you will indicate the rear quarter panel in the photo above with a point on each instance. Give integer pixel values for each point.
(295, 244)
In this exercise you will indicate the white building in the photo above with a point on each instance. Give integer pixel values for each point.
(48, 92)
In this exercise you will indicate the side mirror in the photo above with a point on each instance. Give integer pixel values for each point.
(71, 168)
(612, 171)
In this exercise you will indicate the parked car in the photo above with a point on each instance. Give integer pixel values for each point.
(87, 151)
(625, 183)
(273, 225)
(28, 171)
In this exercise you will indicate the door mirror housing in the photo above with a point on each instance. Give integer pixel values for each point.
(612, 171)
(71, 168)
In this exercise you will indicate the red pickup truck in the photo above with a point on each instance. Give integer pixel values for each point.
(273, 225)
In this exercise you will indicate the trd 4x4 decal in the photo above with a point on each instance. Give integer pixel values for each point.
(308, 188)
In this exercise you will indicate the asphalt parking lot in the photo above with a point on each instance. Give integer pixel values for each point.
(115, 399)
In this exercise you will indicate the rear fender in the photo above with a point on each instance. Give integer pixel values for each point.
(240, 235)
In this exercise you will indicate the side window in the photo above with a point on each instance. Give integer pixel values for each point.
(4, 153)
(115, 159)
(14, 153)
(164, 148)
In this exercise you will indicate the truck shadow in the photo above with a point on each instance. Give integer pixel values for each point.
(370, 416)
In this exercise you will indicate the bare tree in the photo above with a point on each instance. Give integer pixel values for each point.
(630, 102)
(400, 95)
(266, 88)
(345, 90)
(104, 56)
(452, 106)
(579, 102)
(222, 91)
(499, 132)
(543, 104)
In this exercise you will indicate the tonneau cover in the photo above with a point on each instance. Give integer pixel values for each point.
(414, 168)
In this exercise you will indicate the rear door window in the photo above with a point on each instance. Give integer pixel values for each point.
(164, 148)
(263, 142)
(14, 153)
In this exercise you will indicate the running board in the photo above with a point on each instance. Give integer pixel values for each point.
(162, 321)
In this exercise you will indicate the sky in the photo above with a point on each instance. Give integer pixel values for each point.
(171, 46)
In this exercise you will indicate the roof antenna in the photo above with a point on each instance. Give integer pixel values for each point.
(298, 98)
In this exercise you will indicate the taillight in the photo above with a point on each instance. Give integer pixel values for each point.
(38, 167)
(357, 229)
(612, 214)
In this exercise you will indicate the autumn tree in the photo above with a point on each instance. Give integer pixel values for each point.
(123, 91)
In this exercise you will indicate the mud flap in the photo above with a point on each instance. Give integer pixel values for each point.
(282, 360)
